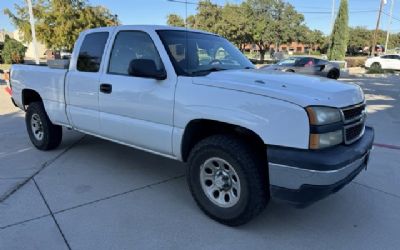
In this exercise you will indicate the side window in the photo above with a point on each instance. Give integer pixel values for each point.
(129, 46)
(386, 57)
(91, 52)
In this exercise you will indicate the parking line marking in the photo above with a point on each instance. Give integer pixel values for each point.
(5, 154)
(381, 145)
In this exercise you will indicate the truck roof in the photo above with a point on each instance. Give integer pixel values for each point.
(148, 28)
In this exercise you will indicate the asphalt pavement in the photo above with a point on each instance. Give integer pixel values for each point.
(95, 194)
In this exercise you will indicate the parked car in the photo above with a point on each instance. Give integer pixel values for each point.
(390, 61)
(65, 54)
(246, 135)
(306, 65)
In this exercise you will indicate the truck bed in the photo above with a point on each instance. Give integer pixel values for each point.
(49, 82)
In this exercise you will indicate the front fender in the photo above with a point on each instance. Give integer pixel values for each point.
(275, 121)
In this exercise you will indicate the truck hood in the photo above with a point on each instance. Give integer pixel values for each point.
(299, 89)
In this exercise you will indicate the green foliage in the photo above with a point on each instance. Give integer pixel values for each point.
(175, 20)
(340, 34)
(59, 22)
(13, 51)
(234, 25)
(375, 71)
(361, 37)
(260, 22)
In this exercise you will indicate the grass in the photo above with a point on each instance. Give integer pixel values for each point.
(380, 71)
(5, 66)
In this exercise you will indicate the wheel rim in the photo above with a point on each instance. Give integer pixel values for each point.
(37, 127)
(220, 182)
(333, 75)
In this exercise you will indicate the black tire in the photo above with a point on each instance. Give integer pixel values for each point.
(333, 74)
(251, 171)
(376, 66)
(51, 134)
(289, 70)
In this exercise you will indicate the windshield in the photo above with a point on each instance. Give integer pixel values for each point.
(287, 62)
(194, 53)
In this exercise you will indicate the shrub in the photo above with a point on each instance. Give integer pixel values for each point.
(355, 61)
(375, 71)
(13, 51)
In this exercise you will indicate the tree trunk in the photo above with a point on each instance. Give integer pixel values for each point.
(262, 55)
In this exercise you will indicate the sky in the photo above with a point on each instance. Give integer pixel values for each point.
(316, 12)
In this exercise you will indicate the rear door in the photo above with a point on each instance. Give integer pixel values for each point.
(137, 110)
(82, 83)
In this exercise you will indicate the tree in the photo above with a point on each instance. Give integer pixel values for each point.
(233, 25)
(175, 20)
(13, 51)
(340, 34)
(273, 22)
(260, 22)
(207, 17)
(59, 22)
(315, 38)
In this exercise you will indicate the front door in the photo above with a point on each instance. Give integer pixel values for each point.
(137, 110)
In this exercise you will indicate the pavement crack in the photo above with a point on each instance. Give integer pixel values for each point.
(52, 214)
(43, 166)
(376, 189)
(120, 194)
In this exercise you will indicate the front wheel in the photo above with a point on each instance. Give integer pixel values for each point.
(43, 134)
(333, 74)
(227, 179)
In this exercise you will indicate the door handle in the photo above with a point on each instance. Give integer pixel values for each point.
(106, 88)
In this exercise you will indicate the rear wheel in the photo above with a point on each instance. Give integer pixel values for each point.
(333, 74)
(376, 66)
(289, 70)
(43, 134)
(227, 179)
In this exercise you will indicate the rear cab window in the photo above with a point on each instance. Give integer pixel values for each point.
(91, 52)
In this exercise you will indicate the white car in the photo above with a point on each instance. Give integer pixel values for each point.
(246, 135)
(384, 62)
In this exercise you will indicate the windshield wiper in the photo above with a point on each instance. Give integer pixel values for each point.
(207, 71)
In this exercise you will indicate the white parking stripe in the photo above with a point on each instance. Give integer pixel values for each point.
(5, 154)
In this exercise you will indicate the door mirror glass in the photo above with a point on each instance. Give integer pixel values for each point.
(146, 68)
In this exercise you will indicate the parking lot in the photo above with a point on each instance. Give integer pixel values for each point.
(94, 194)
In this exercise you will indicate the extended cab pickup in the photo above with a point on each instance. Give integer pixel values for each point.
(247, 135)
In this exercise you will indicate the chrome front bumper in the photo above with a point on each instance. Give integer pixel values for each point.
(304, 176)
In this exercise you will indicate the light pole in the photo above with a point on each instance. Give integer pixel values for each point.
(333, 15)
(389, 24)
(34, 41)
(377, 27)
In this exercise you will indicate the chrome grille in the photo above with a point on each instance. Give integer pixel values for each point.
(353, 113)
(354, 118)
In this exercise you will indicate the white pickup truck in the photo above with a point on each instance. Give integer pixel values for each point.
(247, 135)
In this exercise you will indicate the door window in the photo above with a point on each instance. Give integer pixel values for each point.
(91, 52)
(129, 46)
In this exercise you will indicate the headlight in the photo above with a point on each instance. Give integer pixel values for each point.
(323, 115)
(318, 141)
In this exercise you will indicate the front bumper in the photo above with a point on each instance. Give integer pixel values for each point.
(302, 177)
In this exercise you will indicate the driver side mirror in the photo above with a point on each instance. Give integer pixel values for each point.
(146, 68)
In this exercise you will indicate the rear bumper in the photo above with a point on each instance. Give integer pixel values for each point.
(302, 177)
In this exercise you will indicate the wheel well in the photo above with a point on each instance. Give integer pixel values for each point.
(199, 129)
(29, 96)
